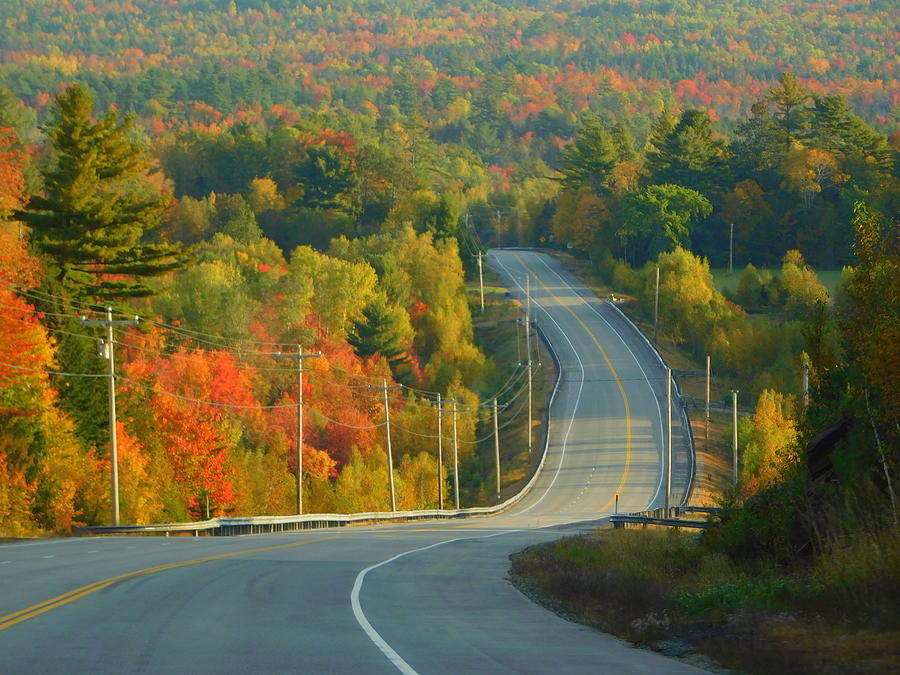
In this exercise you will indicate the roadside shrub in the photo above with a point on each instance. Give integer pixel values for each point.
(605, 267)
(750, 287)
(753, 593)
(768, 528)
(624, 278)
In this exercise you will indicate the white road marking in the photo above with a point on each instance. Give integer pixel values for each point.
(46, 542)
(577, 399)
(5, 562)
(45, 557)
(361, 619)
(662, 439)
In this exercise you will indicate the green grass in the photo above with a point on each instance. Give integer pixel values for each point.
(723, 280)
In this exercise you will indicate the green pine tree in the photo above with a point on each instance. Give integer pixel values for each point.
(590, 159)
(691, 155)
(98, 214)
(379, 332)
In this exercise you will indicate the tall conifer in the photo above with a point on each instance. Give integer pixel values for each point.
(98, 215)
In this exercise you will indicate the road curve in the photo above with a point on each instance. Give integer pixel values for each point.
(426, 597)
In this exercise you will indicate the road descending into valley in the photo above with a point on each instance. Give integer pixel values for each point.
(426, 597)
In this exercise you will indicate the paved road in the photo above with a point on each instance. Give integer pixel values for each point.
(419, 597)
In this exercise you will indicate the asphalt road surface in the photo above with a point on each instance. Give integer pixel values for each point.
(421, 597)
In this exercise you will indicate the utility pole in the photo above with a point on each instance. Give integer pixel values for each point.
(668, 437)
(656, 308)
(734, 440)
(455, 459)
(456, 411)
(387, 425)
(731, 251)
(109, 355)
(440, 435)
(299, 356)
(528, 347)
(481, 280)
(497, 448)
(499, 243)
(707, 401)
(805, 382)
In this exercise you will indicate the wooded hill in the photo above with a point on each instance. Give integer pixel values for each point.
(249, 176)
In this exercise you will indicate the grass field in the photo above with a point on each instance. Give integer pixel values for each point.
(723, 280)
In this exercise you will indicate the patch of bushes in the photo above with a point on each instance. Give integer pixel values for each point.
(750, 593)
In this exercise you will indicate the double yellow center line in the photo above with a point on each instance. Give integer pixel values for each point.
(615, 375)
(75, 594)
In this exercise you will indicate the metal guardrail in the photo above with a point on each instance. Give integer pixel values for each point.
(263, 524)
(660, 517)
(697, 509)
(692, 451)
(621, 520)
(260, 524)
(696, 403)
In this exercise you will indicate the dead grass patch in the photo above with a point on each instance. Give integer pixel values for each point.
(661, 588)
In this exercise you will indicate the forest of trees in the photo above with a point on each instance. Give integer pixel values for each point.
(378, 111)
(249, 176)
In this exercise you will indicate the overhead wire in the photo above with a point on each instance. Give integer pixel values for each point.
(217, 340)
(43, 371)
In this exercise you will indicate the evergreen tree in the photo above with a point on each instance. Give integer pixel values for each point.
(660, 131)
(442, 219)
(379, 331)
(864, 153)
(759, 148)
(690, 155)
(97, 215)
(327, 177)
(590, 159)
(791, 110)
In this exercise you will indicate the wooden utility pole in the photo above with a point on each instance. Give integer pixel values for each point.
(455, 459)
(734, 440)
(454, 411)
(109, 355)
(299, 356)
(805, 382)
(481, 279)
(731, 251)
(387, 427)
(707, 401)
(440, 448)
(497, 448)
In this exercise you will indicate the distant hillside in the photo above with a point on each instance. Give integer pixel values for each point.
(516, 66)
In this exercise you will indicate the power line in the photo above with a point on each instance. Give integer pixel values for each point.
(42, 371)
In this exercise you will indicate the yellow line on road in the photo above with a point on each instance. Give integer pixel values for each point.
(615, 375)
(75, 594)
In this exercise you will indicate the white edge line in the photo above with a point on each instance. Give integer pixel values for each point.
(662, 439)
(360, 615)
(47, 542)
(577, 399)
(684, 414)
